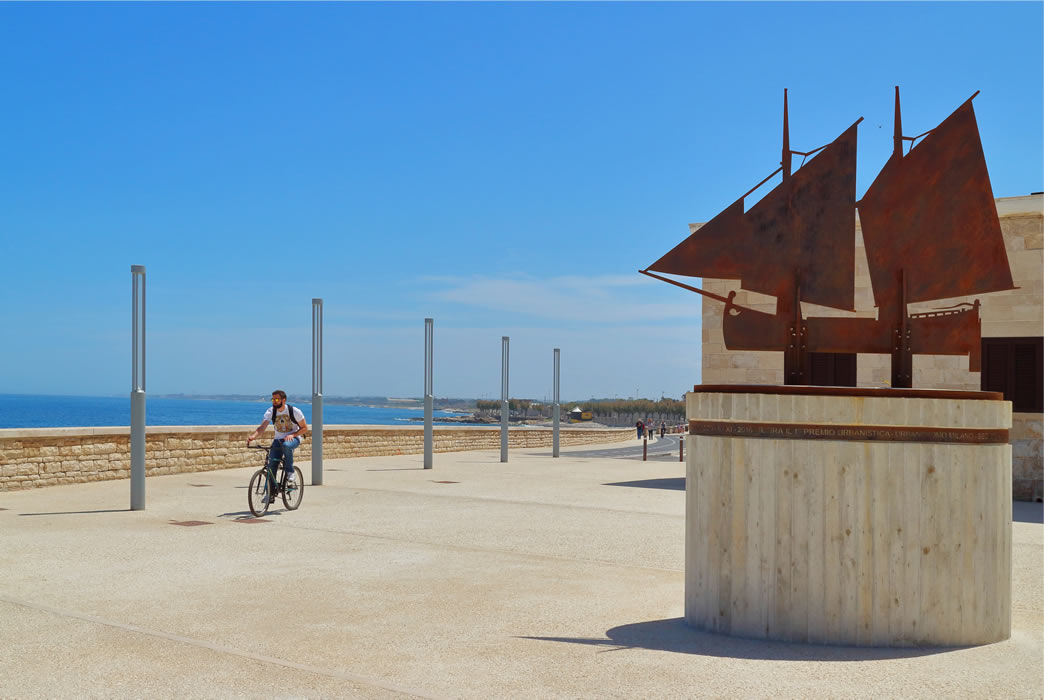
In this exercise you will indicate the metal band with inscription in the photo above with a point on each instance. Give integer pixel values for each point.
(866, 433)
(878, 392)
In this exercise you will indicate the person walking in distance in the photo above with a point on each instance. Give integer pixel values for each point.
(290, 426)
(663, 428)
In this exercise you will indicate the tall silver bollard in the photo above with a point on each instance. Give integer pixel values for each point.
(554, 406)
(137, 397)
(317, 392)
(504, 406)
(429, 397)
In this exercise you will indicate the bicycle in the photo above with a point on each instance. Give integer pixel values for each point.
(258, 497)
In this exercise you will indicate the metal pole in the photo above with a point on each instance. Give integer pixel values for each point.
(137, 397)
(645, 446)
(317, 392)
(429, 397)
(504, 406)
(554, 405)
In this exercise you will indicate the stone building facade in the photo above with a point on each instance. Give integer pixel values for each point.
(1018, 313)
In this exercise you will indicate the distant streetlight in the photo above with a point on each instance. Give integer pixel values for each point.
(317, 392)
(504, 407)
(429, 398)
(555, 409)
(137, 397)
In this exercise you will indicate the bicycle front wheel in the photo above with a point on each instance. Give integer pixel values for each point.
(257, 494)
(293, 492)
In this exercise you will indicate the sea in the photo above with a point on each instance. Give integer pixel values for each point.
(38, 411)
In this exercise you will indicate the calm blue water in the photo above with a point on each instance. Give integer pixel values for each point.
(28, 411)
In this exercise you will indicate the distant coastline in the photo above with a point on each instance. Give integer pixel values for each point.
(42, 411)
(449, 405)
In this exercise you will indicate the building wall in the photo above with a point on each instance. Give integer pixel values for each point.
(1014, 313)
(34, 457)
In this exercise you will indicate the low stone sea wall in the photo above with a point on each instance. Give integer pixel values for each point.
(35, 457)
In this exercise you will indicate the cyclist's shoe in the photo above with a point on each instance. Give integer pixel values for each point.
(291, 478)
(267, 499)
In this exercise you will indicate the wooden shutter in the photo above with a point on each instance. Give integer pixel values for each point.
(845, 369)
(995, 356)
(1027, 392)
(1015, 366)
(832, 368)
(821, 369)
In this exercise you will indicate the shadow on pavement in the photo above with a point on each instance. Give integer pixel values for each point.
(675, 636)
(1027, 512)
(247, 515)
(81, 512)
(673, 483)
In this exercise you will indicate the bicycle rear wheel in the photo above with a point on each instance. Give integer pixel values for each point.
(293, 492)
(257, 494)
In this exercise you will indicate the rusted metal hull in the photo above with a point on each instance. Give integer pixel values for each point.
(746, 329)
(946, 333)
(952, 334)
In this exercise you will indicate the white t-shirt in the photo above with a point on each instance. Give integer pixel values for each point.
(282, 423)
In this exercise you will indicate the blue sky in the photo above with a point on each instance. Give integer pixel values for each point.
(504, 168)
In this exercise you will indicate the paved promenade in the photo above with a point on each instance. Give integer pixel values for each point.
(538, 578)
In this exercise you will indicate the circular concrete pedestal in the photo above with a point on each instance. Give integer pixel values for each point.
(849, 516)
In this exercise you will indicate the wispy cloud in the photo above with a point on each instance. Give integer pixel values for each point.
(600, 299)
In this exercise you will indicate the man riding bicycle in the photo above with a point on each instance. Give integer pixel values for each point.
(289, 425)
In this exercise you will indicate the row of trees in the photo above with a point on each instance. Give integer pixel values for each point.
(514, 406)
(598, 407)
(610, 407)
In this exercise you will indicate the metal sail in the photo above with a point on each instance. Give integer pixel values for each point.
(803, 229)
(932, 215)
(716, 249)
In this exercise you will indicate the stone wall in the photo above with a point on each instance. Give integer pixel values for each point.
(1027, 456)
(1014, 313)
(35, 457)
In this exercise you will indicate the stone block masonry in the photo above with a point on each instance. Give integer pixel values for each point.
(36, 457)
(1027, 457)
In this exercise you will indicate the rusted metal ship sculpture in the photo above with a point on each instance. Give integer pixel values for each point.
(931, 232)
